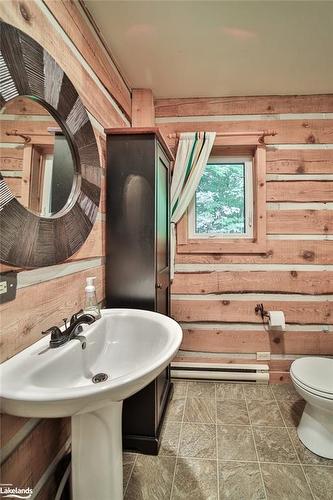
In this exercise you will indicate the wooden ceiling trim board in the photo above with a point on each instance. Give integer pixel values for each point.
(258, 105)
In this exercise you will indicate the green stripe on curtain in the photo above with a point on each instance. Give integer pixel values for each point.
(188, 169)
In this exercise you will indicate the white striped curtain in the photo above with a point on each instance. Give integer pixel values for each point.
(192, 155)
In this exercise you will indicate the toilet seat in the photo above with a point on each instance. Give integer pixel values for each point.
(314, 374)
(320, 394)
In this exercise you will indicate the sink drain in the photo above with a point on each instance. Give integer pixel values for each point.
(100, 377)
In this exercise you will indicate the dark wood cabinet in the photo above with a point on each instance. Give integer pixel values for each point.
(137, 258)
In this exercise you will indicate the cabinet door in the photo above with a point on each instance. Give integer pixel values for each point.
(162, 234)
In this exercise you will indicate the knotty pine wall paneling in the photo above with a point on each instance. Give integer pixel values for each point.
(214, 295)
(32, 448)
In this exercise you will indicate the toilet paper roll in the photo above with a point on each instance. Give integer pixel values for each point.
(276, 320)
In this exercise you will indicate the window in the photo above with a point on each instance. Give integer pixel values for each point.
(228, 212)
(223, 204)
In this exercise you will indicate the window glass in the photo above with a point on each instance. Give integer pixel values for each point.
(220, 200)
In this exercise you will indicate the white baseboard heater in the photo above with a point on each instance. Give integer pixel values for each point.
(221, 371)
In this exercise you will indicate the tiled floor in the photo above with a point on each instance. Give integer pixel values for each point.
(232, 442)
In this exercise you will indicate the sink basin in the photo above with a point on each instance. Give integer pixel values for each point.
(130, 348)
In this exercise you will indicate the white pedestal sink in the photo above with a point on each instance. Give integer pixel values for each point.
(131, 347)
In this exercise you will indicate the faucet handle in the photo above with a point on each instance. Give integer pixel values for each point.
(54, 331)
(75, 316)
(57, 336)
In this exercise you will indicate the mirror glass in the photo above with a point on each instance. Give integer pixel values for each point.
(36, 159)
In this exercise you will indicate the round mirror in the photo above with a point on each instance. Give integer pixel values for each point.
(37, 161)
(50, 173)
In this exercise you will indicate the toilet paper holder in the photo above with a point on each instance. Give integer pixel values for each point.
(261, 311)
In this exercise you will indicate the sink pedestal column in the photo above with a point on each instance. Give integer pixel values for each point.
(97, 470)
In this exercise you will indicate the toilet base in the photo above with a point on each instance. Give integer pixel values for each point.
(315, 430)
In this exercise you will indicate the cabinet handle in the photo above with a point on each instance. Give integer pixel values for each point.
(158, 285)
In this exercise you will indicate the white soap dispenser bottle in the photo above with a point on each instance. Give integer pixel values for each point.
(91, 304)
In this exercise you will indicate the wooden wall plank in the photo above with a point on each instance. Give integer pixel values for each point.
(25, 106)
(278, 252)
(49, 490)
(27, 463)
(30, 18)
(17, 469)
(304, 282)
(276, 377)
(288, 131)
(299, 222)
(241, 311)
(94, 245)
(32, 128)
(214, 106)
(249, 341)
(42, 306)
(300, 191)
(48, 439)
(11, 159)
(298, 161)
(81, 33)
(15, 185)
(9, 426)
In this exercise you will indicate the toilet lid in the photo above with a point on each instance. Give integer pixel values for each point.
(314, 372)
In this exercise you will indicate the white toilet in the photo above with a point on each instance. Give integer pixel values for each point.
(313, 380)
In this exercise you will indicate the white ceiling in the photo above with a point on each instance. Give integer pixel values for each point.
(220, 48)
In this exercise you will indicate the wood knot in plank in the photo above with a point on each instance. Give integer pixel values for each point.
(276, 340)
(311, 139)
(293, 274)
(268, 254)
(308, 255)
(225, 302)
(300, 169)
(24, 12)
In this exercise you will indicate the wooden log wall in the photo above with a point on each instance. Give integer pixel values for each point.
(214, 295)
(31, 448)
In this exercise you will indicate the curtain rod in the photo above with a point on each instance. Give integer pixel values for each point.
(260, 133)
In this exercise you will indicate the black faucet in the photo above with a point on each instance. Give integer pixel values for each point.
(72, 331)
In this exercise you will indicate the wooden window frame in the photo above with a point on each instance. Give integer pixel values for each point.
(256, 244)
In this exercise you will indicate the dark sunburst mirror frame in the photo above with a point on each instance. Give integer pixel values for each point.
(27, 240)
